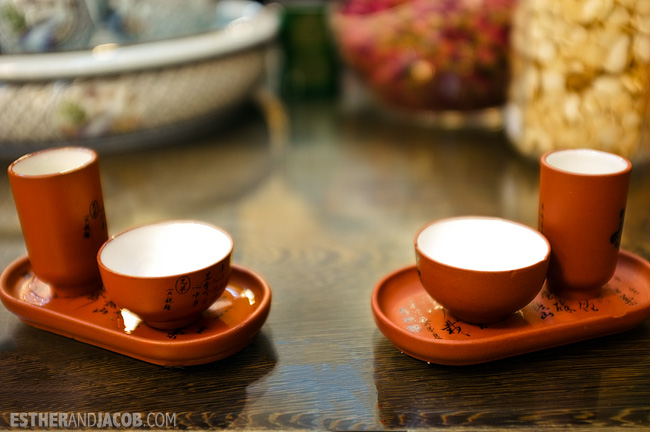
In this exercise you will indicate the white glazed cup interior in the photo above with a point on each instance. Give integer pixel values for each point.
(482, 244)
(587, 161)
(165, 249)
(55, 161)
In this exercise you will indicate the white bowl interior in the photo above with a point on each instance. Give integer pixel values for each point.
(586, 161)
(165, 249)
(54, 161)
(484, 244)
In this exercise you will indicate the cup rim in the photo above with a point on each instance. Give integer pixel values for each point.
(12, 172)
(165, 222)
(420, 252)
(627, 169)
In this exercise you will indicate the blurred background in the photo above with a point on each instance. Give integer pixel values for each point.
(322, 135)
(118, 74)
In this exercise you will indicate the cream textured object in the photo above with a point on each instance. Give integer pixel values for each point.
(98, 106)
(580, 77)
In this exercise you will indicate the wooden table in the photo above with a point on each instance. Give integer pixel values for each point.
(323, 207)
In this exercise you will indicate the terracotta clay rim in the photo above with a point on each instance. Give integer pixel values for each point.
(166, 222)
(92, 160)
(473, 271)
(627, 169)
(378, 312)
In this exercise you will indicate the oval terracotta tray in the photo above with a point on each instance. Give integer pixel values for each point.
(421, 328)
(225, 328)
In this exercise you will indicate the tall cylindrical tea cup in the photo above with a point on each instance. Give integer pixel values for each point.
(60, 205)
(582, 201)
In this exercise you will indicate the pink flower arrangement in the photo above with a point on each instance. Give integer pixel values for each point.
(429, 54)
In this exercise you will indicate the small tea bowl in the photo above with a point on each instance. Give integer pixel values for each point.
(481, 269)
(167, 273)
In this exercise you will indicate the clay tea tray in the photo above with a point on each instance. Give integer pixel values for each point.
(225, 328)
(421, 328)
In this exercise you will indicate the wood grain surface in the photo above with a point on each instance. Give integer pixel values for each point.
(323, 207)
